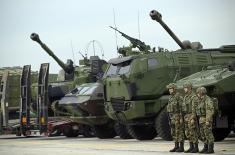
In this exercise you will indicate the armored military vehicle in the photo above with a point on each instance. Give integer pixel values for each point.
(70, 76)
(84, 104)
(220, 84)
(135, 85)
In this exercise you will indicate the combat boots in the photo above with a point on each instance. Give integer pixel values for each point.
(205, 148)
(175, 148)
(195, 148)
(210, 149)
(191, 147)
(181, 148)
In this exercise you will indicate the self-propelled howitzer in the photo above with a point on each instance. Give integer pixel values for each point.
(135, 86)
(88, 71)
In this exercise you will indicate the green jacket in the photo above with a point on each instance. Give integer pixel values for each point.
(175, 103)
(189, 103)
(205, 108)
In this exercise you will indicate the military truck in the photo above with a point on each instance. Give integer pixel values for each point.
(135, 85)
(85, 105)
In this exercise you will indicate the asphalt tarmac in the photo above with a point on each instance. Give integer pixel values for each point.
(12, 145)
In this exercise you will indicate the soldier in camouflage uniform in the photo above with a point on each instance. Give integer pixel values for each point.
(0, 119)
(176, 123)
(205, 112)
(189, 113)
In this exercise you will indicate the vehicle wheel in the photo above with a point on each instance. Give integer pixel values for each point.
(122, 131)
(88, 131)
(104, 131)
(71, 131)
(221, 133)
(142, 132)
(162, 126)
(55, 132)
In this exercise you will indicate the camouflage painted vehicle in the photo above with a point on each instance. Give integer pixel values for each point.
(220, 84)
(70, 76)
(135, 85)
(90, 70)
(84, 104)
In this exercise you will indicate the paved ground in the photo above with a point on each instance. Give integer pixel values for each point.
(10, 145)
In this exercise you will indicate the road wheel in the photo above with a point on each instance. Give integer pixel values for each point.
(105, 131)
(162, 126)
(220, 133)
(142, 132)
(122, 131)
(71, 131)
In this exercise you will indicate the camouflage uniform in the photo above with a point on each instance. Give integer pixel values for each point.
(205, 112)
(176, 123)
(0, 120)
(189, 111)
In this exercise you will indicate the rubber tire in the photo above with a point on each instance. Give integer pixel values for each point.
(162, 126)
(221, 133)
(68, 131)
(105, 131)
(142, 132)
(122, 131)
(88, 131)
(55, 133)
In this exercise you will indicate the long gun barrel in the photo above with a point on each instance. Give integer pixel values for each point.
(136, 42)
(158, 17)
(67, 68)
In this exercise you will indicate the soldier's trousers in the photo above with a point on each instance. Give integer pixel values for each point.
(0, 121)
(191, 131)
(206, 131)
(177, 130)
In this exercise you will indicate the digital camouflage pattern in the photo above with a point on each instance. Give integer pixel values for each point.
(189, 109)
(205, 112)
(174, 110)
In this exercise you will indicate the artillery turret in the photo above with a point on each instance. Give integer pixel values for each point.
(155, 15)
(158, 17)
(89, 71)
(68, 67)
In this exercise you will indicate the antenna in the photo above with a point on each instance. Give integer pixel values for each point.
(98, 44)
(72, 51)
(114, 22)
(93, 45)
(139, 24)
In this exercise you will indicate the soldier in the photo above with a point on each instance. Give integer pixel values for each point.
(189, 113)
(175, 116)
(205, 111)
(0, 120)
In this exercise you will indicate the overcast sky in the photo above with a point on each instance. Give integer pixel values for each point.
(60, 22)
